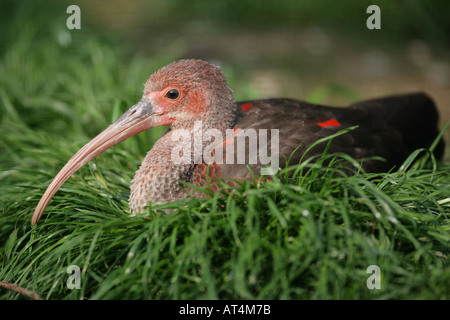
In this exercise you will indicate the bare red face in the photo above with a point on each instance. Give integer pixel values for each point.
(178, 102)
(164, 101)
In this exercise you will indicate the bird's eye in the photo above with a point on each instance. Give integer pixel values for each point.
(172, 94)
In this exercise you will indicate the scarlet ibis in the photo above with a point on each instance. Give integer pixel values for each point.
(187, 92)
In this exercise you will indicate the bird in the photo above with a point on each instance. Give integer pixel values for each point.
(192, 97)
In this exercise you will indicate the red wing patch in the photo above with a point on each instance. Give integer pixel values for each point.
(246, 106)
(329, 123)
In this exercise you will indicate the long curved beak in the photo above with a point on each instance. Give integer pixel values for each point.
(138, 118)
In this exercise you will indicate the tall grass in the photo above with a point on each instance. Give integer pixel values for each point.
(308, 239)
(307, 235)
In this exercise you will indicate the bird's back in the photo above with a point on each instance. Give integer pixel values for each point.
(390, 127)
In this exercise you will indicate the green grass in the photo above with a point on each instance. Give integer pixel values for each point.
(311, 236)
(309, 239)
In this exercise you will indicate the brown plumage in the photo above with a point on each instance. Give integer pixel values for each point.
(191, 93)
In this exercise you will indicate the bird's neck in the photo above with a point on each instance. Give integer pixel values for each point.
(157, 179)
(174, 157)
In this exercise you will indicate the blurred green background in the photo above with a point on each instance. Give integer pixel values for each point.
(320, 51)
